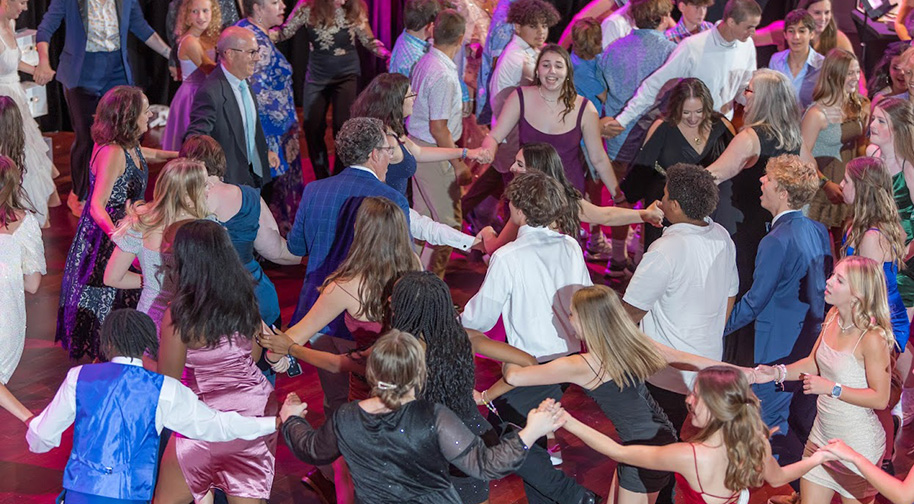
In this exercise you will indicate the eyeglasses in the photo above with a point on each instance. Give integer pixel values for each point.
(389, 149)
(252, 53)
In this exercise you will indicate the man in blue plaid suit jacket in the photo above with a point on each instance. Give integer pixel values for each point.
(323, 231)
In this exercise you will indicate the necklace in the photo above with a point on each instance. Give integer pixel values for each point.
(547, 100)
(846, 328)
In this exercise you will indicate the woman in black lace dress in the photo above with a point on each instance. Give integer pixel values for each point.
(332, 27)
(399, 447)
(117, 176)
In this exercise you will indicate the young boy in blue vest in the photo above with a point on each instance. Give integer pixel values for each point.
(119, 410)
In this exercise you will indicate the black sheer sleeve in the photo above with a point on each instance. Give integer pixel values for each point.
(317, 447)
(468, 452)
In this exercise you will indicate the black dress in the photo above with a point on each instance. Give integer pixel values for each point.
(403, 456)
(740, 212)
(665, 148)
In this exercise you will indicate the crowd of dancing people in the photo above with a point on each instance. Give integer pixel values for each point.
(755, 323)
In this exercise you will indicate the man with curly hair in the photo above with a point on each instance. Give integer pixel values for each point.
(786, 301)
(684, 281)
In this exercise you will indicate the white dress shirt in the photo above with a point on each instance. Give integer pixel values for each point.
(683, 282)
(515, 67)
(235, 84)
(616, 25)
(178, 409)
(725, 67)
(426, 229)
(529, 284)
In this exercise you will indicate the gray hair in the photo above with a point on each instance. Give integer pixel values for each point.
(774, 108)
(357, 138)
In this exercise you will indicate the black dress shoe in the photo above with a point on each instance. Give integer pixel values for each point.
(321, 486)
(590, 498)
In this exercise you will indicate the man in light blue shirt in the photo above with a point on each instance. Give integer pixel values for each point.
(799, 62)
(412, 44)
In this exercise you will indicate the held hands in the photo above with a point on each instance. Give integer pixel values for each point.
(480, 155)
(765, 374)
(545, 419)
(816, 385)
(610, 127)
(292, 407)
(486, 235)
(276, 341)
(839, 450)
(43, 74)
(477, 397)
(278, 363)
(653, 214)
(833, 192)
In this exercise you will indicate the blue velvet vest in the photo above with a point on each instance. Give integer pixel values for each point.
(115, 443)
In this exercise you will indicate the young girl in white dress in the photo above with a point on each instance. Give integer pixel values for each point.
(21, 266)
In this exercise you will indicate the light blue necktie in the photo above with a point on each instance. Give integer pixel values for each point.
(247, 104)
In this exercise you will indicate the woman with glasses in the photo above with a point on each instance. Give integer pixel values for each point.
(271, 86)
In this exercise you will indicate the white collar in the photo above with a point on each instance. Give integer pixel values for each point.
(230, 77)
(365, 169)
(778, 216)
(129, 361)
(688, 227)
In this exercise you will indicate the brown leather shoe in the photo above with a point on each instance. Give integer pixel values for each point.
(320, 485)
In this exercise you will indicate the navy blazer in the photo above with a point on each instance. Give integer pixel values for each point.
(787, 297)
(76, 15)
(323, 230)
(217, 113)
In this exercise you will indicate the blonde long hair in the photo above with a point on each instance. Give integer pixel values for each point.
(829, 88)
(210, 35)
(774, 108)
(874, 206)
(901, 115)
(870, 309)
(180, 188)
(625, 353)
(735, 411)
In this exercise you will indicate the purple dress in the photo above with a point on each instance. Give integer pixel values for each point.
(181, 104)
(225, 378)
(568, 145)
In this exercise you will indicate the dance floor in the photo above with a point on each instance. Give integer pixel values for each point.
(36, 478)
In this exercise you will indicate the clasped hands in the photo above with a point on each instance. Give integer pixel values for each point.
(812, 384)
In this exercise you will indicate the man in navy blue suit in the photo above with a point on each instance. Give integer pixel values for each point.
(786, 301)
(94, 60)
(322, 232)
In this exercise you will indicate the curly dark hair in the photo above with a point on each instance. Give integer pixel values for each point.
(117, 115)
(543, 157)
(422, 306)
(205, 149)
(128, 333)
(358, 138)
(214, 293)
(539, 196)
(693, 187)
(533, 13)
(383, 99)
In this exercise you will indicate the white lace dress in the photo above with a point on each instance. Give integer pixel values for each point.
(37, 181)
(21, 253)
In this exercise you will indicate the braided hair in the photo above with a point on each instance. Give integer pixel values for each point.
(421, 304)
(129, 333)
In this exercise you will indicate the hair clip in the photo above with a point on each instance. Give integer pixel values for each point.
(383, 385)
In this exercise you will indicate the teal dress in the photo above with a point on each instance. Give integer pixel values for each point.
(906, 211)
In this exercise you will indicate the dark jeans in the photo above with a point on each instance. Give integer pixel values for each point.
(543, 483)
(315, 102)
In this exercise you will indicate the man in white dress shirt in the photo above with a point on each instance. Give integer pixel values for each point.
(723, 58)
(529, 286)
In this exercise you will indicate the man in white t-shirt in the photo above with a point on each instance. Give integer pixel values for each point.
(686, 283)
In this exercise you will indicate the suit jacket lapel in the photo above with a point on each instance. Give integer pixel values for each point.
(123, 19)
(233, 113)
(84, 14)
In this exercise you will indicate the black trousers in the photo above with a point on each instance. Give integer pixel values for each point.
(81, 104)
(315, 102)
(543, 483)
(673, 404)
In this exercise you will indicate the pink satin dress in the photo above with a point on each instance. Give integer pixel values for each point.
(226, 379)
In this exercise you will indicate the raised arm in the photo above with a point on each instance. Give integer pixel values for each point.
(507, 121)
(616, 216)
(676, 66)
(499, 350)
